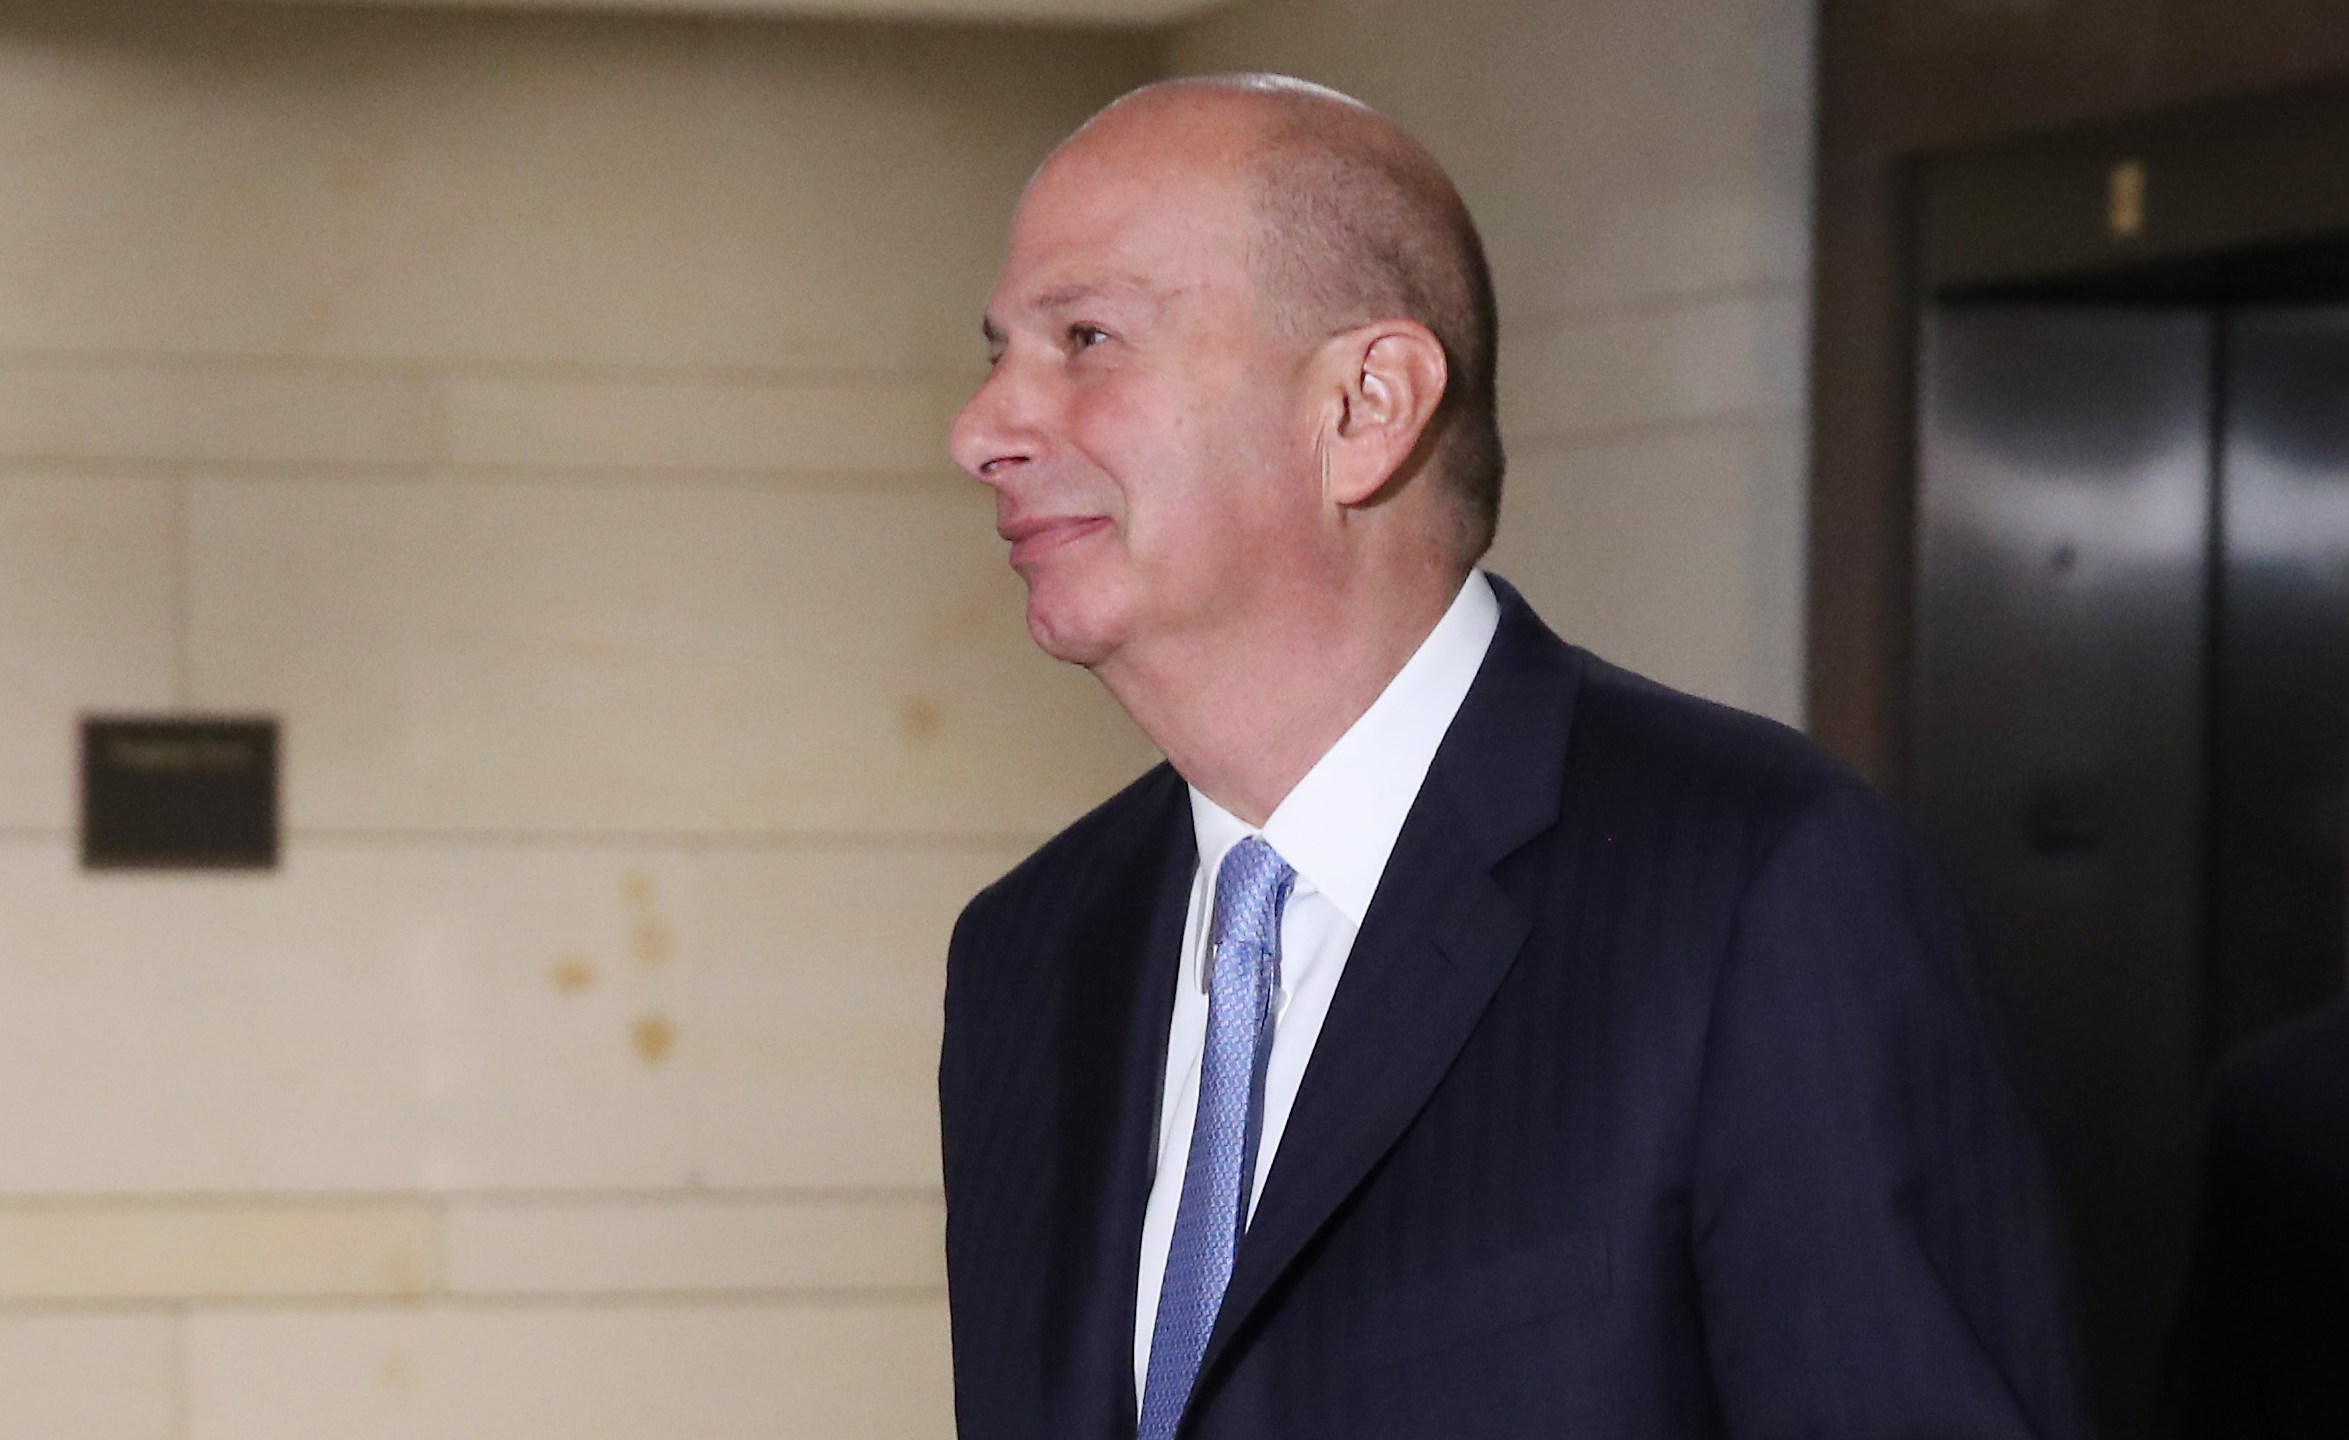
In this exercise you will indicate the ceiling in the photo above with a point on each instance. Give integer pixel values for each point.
(1085, 12)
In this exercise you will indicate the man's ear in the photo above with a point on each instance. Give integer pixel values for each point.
(1386, 379)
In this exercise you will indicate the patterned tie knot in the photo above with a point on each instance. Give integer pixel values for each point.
(1249, 892)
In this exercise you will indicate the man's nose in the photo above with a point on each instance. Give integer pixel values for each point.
(997, 431)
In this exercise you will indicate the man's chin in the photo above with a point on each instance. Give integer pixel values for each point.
(1070, 637)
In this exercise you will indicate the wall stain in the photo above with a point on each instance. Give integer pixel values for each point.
(921, 718)
(653, 941)
(965, 622)
(650, 938)
(655, 1038)
(403, 1276)
(572, 974)
(398, 1373)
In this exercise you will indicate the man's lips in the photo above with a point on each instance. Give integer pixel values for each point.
(1034, 538)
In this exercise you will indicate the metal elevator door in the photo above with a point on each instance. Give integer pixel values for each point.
(2131, 729)
(2280, 801)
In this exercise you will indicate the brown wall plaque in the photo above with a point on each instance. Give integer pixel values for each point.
(179, 794)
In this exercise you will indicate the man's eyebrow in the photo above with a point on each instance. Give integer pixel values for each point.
(1063, 296)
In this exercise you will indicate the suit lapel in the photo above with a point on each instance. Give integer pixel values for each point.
(1119, 1002)
(1440, 935)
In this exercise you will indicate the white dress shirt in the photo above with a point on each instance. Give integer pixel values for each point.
(1336, 829)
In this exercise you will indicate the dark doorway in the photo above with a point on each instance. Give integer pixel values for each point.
(2129, 728)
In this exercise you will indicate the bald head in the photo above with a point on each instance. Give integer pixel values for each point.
(1354, 222)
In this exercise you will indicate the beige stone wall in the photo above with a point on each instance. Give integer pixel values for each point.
(544, 416)
(1640, 169)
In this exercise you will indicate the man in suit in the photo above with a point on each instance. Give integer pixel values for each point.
(2261, 1347)
(1459, 1036)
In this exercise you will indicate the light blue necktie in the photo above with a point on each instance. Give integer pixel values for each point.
(1250, 890)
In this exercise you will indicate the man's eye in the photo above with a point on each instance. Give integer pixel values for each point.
(1085, 337)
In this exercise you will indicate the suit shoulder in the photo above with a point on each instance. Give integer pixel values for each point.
(1648, 736)
(1094, 848)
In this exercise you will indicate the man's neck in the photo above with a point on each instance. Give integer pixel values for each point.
(1244, 716)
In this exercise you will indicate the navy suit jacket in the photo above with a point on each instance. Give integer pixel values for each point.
(1655, 1102)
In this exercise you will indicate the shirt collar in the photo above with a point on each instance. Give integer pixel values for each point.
(1338, 826)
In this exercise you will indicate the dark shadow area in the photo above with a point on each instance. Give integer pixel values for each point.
(2259, 1347)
